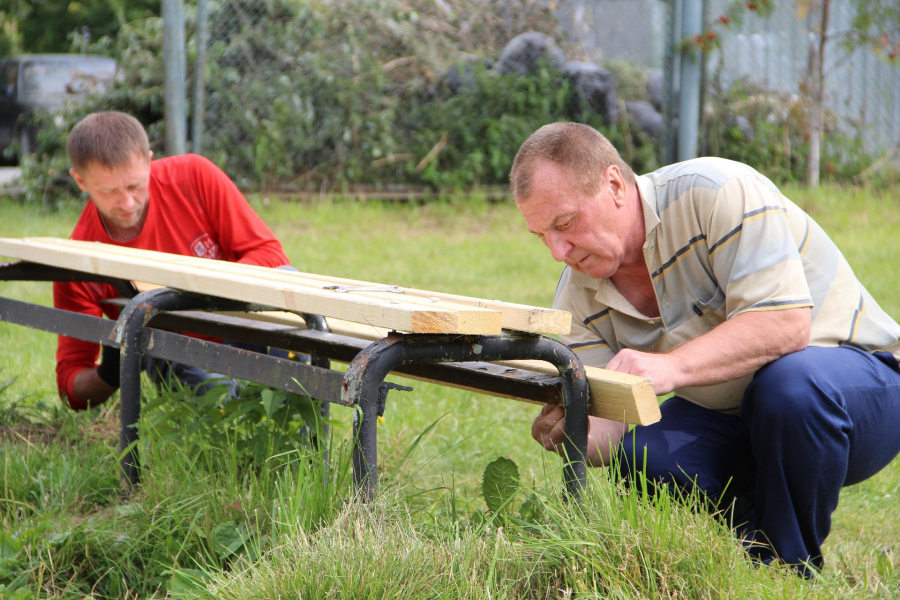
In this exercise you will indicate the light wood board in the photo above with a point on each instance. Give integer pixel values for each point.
(365, 315)
(169, 270)
(518, 317)
(615, 396)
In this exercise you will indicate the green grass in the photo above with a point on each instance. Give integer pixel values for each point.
(205, 524)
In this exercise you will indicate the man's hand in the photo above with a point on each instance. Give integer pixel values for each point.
(603, 435)
(549, 427)
(661, 369)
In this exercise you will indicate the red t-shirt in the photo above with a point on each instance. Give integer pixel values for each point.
(194, 210)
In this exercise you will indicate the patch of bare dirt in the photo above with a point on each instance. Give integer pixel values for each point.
(104, 428)
(29, 434)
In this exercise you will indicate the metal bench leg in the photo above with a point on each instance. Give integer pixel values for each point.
(365, 447)
(576, 429)
(129, 333)
(365, 377)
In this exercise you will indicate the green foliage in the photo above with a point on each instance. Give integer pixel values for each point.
(631, 79)
(344, 102)
(374, 108)
(768, 131)
(247, 429)
(331, 95)
(42, 26)
(876, 25)
(195, 513)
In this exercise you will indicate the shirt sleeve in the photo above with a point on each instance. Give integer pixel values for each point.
(752, 251)
(584, 339)
(238, 228)
(74, 355)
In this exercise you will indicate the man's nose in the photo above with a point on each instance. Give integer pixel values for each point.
(558, 245)
(129, 200)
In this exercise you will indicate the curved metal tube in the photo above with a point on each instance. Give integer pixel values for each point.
(129, 333)
(365, 377)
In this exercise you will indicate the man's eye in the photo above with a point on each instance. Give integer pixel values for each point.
(565, 226)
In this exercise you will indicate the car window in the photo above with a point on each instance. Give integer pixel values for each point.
(43, 79)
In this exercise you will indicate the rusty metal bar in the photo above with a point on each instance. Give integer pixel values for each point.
(54, 320)
(364, 380)
(477, 376)
(129, 333)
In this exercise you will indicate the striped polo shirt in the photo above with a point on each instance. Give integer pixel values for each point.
(722, 240)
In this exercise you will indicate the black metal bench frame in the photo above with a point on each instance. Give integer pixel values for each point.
(153, 323)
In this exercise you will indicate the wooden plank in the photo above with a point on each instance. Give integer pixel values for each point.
(518, 317)
(616, 396)
(438, 317)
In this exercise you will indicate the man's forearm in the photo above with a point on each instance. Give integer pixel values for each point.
(88, 386)
(736, 348)
(741, 345)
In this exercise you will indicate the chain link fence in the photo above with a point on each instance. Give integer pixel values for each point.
(316, 96)
(766, 57)
(862, 89)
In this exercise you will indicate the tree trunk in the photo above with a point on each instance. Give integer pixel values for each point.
(816, 78)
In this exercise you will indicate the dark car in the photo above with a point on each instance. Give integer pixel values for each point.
(43, 82)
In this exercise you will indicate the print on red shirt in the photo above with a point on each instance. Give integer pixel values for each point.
(204, 247)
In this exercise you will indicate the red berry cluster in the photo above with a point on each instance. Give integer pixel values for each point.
(706, 41)
(733, 15)
(888, 47)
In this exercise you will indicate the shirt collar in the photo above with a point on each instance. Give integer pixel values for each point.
(647, 192)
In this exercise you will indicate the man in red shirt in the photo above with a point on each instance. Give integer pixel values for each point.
(180, 204)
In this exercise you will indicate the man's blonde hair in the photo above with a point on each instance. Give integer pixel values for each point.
(108, 139)
(582, 151)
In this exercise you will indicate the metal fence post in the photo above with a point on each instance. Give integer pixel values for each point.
(200, 76)
(668, 151)
(174, 65)
(690, 81)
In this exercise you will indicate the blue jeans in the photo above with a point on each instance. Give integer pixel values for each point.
(809, 423)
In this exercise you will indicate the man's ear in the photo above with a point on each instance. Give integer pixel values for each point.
(150, 156)
(617, 184)
(78, 180)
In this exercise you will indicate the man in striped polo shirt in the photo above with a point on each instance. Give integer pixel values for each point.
(705, 279)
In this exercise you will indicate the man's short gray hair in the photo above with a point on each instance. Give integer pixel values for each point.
(580, 150)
